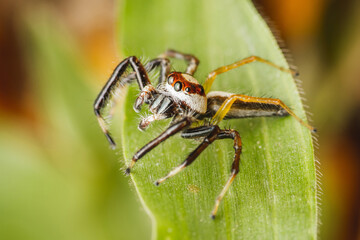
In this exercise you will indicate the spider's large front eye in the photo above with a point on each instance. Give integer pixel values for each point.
(177, 86)
(170, 80)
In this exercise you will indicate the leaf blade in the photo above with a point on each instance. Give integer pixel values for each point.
(277, 178)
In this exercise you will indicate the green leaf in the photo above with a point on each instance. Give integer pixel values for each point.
(274, 195)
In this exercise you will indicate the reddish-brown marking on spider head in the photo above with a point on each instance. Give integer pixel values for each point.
(186, 83)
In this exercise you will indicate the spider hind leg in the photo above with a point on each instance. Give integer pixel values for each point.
(210, 134)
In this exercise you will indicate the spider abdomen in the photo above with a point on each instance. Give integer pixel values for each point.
(242, 108)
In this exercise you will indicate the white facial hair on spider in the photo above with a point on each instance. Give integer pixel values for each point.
(196, 101)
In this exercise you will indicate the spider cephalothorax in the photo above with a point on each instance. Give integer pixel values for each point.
(179, 96)
(187, 91)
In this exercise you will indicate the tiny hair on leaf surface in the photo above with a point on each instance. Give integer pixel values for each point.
(274, 194)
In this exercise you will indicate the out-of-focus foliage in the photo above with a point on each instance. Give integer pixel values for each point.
(58, 178)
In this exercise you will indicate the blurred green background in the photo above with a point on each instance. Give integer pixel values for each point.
(59, 179)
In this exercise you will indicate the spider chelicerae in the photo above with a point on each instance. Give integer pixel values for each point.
(179, 96)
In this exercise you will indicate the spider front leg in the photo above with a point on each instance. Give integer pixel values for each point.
(211, 133)
(164, 65)
(170, 131)
(211, 77)
(105, 93)
(117, 81)
(147, 93)
(193, 62)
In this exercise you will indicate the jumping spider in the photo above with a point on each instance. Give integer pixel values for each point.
(179, 96)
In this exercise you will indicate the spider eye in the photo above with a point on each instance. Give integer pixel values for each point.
(202, 90)
(177, 86)
(170, 80)
(187, 89)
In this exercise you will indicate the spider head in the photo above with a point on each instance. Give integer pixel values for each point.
(185, 89)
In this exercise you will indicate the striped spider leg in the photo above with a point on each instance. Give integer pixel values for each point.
(211, 77)
(117, 80)
(210, 134)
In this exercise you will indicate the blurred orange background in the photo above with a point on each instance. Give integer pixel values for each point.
(323, 36)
